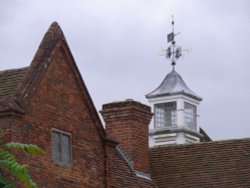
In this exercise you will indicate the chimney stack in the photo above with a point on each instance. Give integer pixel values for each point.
(127, 122)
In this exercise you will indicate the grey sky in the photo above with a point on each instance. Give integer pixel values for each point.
(116, 45)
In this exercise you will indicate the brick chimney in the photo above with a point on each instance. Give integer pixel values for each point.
(127, 122)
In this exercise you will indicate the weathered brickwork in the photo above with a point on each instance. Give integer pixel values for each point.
(58, 103)
(127, 122)
(121, 175)
(52, 95)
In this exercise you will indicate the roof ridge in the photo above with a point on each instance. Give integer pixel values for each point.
(54, 31)
(54, 39)
(202, 143)
(42, 56)
(13, 69)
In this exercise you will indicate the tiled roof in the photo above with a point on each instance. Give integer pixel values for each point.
(10, 80)
(208, 164)
(124, 176)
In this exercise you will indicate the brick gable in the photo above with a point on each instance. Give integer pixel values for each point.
(58, 103)
(51, 94)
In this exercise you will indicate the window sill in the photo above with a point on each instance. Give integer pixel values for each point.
(63, 165)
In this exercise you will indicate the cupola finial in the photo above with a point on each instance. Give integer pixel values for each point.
(173, 52)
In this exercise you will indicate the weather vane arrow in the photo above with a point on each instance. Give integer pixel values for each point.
(173, 52)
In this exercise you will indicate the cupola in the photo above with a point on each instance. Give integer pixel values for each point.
(175, 107)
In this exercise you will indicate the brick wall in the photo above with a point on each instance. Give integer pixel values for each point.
(127, 122)
(57, 102)
(52, 95)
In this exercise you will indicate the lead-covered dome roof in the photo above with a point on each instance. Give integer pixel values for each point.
(173, 84)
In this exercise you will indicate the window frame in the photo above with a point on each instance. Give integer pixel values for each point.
(173, 117)
(61, 132)
(187, 114)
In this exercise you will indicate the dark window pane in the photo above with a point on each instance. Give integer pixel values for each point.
(55, 146)
(66, 149)
(61, 147)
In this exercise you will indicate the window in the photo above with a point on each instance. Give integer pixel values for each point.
(190, 115)
(61, 147)
(165, 114)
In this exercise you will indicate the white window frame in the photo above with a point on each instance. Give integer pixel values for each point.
(174, 116)
(194, 116)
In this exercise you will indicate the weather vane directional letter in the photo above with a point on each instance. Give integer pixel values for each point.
(173, 52)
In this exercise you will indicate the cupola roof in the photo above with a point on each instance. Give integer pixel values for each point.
(173, 84)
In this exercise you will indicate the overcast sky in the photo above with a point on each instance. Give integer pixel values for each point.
(116, 45)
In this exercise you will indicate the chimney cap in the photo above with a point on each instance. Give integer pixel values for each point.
(125, 103)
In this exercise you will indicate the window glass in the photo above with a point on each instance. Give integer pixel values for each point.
(165, 114)
(190, 115)
(56, 146)
(66, 153)
(61, 147)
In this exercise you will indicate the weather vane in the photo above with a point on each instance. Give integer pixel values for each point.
(173, 52)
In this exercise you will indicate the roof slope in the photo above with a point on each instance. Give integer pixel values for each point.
(124, 175)
(16, 84)
(52, 39)
(10, 80)
(29, 78)
(173, 84)
(208, 164)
